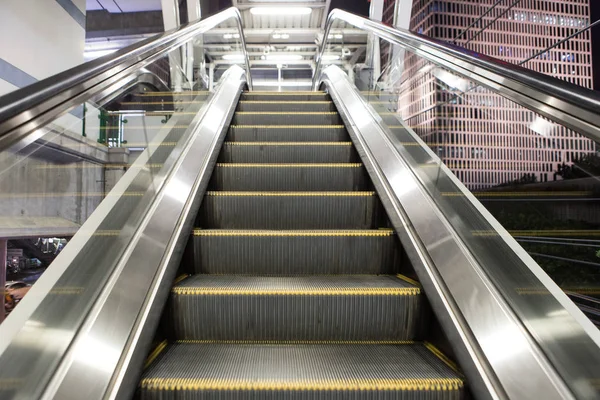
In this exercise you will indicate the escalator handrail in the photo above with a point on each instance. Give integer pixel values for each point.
(570, 105)
(25, 110)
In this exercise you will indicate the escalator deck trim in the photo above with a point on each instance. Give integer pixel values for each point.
(290, 126)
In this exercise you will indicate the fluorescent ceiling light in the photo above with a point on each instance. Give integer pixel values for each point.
(335, 36)
(281, 36)
(231, 36)
(284, 57)
(280, 10)
(233, 57)
(330, 57)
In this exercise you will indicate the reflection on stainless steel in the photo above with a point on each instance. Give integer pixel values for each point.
(46, 341)
(25, 110)
(514, 331)
(568, 104)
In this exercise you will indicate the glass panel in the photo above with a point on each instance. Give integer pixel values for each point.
(94, 171)
(537, 178)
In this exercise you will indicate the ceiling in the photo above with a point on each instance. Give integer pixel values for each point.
(123, 6)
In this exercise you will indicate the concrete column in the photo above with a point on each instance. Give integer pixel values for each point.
(3, 254)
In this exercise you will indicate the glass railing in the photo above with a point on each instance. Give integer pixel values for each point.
(519, 187)
(91, 174)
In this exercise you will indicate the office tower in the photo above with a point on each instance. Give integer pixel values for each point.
(485, 139)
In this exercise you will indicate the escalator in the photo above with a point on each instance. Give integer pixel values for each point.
(278, 244)
(292, 283)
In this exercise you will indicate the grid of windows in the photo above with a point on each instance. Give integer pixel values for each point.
(486, 139)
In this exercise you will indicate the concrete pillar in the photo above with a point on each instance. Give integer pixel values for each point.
(3, 254)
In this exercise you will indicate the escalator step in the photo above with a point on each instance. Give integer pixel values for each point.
(285, 96)
(288, 152)
(290, 210)
(286, 105)
(286, 118)
(297, 252)
(299, 371)
(313, 308)
(298, 177)
(288, 133)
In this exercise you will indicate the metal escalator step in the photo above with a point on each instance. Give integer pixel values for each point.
(288, 152)
(290, 210)
(294, 252)
(298, 177)
(342, 307)
(288, 133)
(197, 370)
(286, 105)
(285, 96)
(286, 118)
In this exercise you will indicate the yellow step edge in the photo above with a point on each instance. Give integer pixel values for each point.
(157, 103)
(375, 384)
(284, 102)
(299, 165)
(171, 93)
(372, 291)
(299, 233)
(294, 342)
(289, 126)
(305, 92)
(289, 194)
(286, 112)
(409, 280)
(288, 143)
(155, 353)
(442, 357)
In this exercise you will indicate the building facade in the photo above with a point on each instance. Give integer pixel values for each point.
(486, 139)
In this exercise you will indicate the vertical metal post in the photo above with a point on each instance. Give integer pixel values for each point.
(3, 255)
(195, 48)
(373, 50)
(171, 20)
(211, 76)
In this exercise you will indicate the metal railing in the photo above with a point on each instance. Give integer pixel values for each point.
(27, 109)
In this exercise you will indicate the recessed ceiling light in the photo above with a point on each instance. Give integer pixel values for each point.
(281, 36)
(233, 57)
(280, 10)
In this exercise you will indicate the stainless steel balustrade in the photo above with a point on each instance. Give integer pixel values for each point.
(570, 105)
(513, 330)
(25, 110)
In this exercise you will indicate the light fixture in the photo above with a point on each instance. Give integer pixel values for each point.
(284, 57)
(280, 10)
(330, 57)
(231, 36)
(335, 36)
(281, 36)
(233, 57)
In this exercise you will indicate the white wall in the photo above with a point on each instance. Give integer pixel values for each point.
(40, 38)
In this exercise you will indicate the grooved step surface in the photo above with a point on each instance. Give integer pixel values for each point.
(286, 105)
(288, 152)
(296, 177)
(290, 210)
(288, 133)
(299, 371)
(285, 96)
(301, 252)
(286, 118)
(354, 307)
